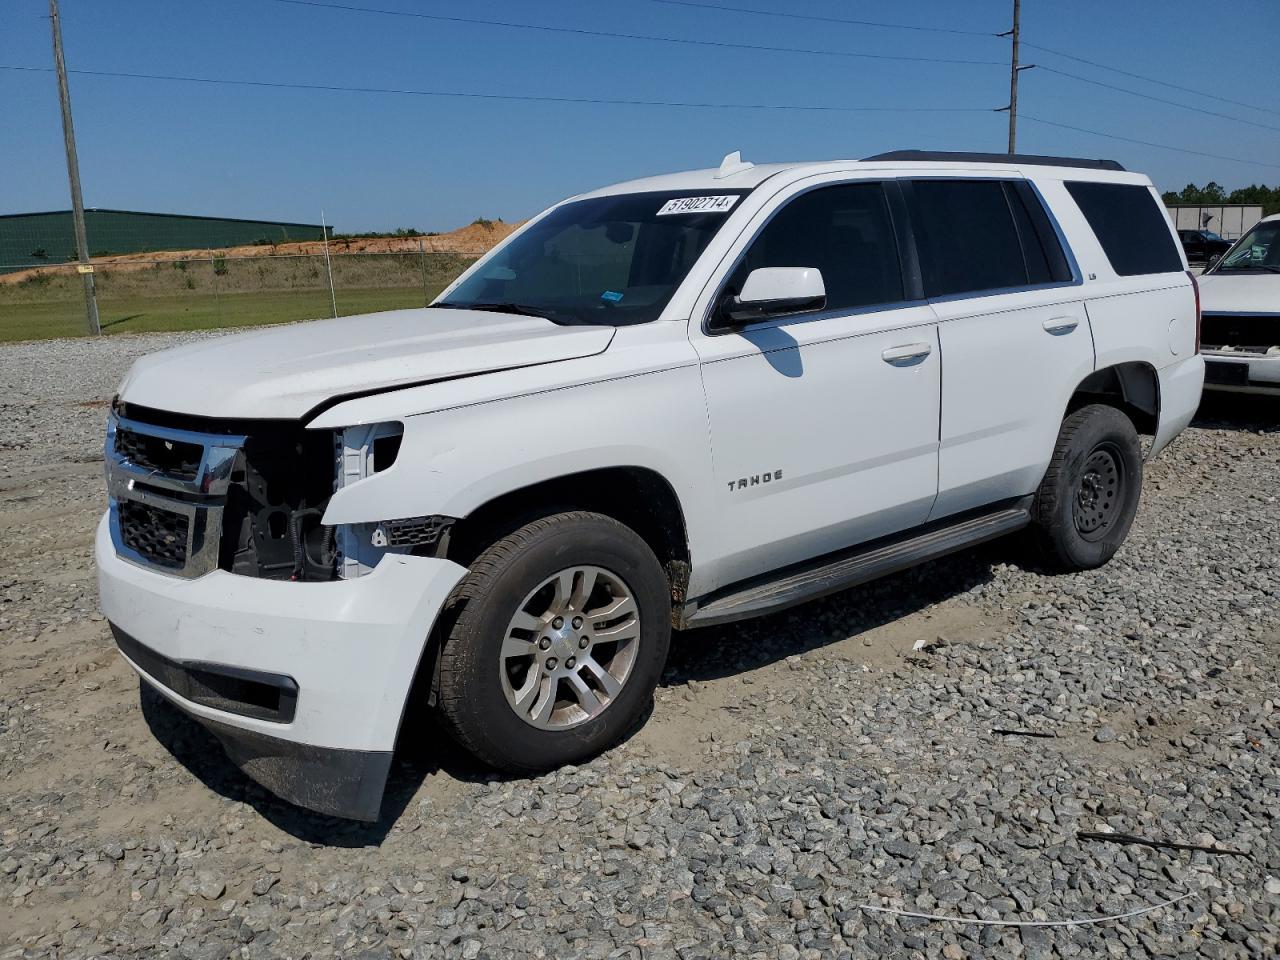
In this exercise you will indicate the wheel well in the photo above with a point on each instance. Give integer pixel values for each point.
(1132, 388)
(638, 497)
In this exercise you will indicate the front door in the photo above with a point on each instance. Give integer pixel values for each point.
(824, 425)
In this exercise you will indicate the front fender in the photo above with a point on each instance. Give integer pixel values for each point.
(453, 461)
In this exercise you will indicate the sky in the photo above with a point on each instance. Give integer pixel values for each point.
(376, 161)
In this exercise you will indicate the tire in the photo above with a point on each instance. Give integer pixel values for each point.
(486, 665)
(1088, 498)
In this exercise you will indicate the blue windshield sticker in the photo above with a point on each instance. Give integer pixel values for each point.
(613, 296)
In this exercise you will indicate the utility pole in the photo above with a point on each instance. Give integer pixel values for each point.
(328, 264)
(73, 174)
(1014, 69)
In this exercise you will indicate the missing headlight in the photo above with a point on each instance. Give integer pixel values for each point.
(360, 453)
(386, 448)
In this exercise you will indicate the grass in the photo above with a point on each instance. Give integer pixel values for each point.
(200, 295)
(36, 321)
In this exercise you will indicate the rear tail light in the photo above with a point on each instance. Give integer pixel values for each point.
(1195, 287)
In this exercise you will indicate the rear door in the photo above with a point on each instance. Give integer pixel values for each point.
(1014, 334)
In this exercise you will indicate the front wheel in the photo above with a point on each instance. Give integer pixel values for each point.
(1088, 498)
(561, 634)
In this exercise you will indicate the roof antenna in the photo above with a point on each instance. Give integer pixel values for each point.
(732, 164)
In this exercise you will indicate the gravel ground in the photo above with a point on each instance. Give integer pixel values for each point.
(795, 770)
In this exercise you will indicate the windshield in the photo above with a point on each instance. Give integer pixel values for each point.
(1259, 249)
(608, 260)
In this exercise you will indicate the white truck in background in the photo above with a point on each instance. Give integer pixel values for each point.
(675, 402)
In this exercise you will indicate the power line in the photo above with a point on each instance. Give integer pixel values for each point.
(1139, 76)
(468, 94)
(979, 33)
(1148, 143)
(687, 104)
(820, 19)
(1147, 96)
(647, 37)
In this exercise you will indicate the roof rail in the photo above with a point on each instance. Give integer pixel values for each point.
(1022, 158)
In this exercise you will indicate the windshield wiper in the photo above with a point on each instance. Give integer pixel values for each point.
(518, 309)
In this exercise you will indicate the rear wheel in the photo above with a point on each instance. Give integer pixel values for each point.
(1088, 498)
(560, 635)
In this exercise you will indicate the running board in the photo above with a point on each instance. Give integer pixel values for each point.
(831, 575)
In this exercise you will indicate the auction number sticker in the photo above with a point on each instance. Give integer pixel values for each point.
(698, 205)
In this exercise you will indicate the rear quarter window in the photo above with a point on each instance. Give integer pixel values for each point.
(1130, 225)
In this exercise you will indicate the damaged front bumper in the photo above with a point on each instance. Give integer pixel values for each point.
(303, 683)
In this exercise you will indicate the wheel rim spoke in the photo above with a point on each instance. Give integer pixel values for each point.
(588, 699)
(602, 676)
(514, 647)
(618, 607)
(563, 598)
(548, 688)
(526, 621)
(584, 584)
(627, 630)
(525, 696)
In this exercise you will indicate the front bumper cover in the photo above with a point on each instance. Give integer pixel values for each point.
(341, 783)
(350, 648)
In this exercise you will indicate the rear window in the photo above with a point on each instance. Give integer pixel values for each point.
(1130, 226)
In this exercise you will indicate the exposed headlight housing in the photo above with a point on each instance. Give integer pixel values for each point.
(359, 453)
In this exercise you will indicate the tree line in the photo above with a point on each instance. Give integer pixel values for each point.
(1213, 193)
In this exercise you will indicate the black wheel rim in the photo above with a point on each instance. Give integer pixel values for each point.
(1097, 501)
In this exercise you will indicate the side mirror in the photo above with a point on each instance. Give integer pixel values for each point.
(775, 292)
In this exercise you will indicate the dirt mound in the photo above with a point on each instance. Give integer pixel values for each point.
(471, 241)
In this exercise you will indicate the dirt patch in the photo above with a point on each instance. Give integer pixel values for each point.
(470, 241)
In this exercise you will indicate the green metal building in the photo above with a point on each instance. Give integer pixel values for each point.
(40, 239)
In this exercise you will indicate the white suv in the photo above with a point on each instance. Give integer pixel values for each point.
(674, 402)
(1242, 314)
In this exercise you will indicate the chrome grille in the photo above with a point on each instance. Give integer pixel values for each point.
(167, 489)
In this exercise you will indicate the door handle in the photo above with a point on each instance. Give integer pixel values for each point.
(1060, 325)
(907, 354)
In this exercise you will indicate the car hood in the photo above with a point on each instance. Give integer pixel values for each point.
(1240, 293)
(287, 371)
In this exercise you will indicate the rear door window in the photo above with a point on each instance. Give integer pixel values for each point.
(1130, 225)
(966, 236)
(1046, 261)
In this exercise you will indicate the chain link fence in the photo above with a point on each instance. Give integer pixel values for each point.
(154, 293)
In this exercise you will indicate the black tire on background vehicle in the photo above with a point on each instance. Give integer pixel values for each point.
(1089, 496)
(573, 607)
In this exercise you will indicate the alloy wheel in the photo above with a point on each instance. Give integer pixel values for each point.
(569, 649)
